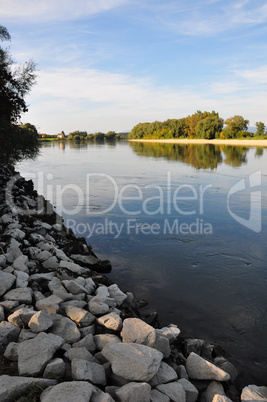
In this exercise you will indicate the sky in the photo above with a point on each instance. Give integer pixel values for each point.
(110, 64)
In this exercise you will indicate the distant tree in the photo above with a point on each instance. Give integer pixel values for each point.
(99, 137)
(260, 128)
(15, 83)
(192, 121)
(210, 127)
(236, 126)
(111, 136)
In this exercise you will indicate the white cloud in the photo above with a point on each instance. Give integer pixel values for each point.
(256, 76)
(54, 10)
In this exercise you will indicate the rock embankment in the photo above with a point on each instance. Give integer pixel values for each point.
(70, 334)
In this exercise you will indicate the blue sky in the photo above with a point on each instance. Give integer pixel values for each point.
(110, 64)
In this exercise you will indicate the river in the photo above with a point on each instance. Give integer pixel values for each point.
(184, 227)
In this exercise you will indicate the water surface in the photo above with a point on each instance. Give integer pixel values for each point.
(184, 227)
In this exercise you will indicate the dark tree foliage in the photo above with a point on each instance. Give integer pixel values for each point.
(15, 82)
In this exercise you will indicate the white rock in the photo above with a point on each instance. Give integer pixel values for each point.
(21, 263)
(34, 354)
(82, 317)
(22, 295)
(88, 371)
(254, 393)
(222, 398)
(78, 391)
(61, 255)
(102, 290)
(14, 249)
(173, 390)
(6, 219)
(43, 256)
(73, 287)
(89, 285)
(102, 339)
(134, 392)
(51, 263)
(6, 282)
(117, 294)
(172, 332)
(42, 277)
(111, 321)
(104, 299)
(135, 330)
(36, 238)
(190, 390)
(16, 234)
(132, 361)
(22, 279)
(201, 369)
(71, 266)
(40, 321)
(65, 328)
(21, 317)
(51, 304)
(164, 375)
(55, 369)
(11, 387)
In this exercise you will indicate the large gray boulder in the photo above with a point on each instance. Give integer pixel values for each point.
(13, 387)
(190, 390)
(6, 282)
(134, 392)
(164, 375)
(82, 317)
(254, 393)
(22, 295)
(117, 294)
(40, 321)
(21, 317)
(8, 333)
(111, 321)
(201, 369)
(132, 361)
(78, 391)
(34, 354)
(135, 330)
(88, 371)
(65, 328)
(157, 396)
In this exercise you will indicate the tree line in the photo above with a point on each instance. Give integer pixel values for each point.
(99, 137)
(16, 140)
(206, 125)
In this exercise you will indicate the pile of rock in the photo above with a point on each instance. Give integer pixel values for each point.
(69, 330)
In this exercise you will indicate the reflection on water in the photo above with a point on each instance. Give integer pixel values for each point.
(211, 286)
(200, 157)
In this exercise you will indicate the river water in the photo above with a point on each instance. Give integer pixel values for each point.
(184, 227)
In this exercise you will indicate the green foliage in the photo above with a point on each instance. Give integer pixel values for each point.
(99, 137)
(260, 128)
(210, 127)
(236, 126)
(15, 84)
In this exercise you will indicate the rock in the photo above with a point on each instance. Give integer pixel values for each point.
(16, 234)
(40, 321)
(21, 263)
(42, 277)
(3, 261)
(74, 287)
(11, 352)
(55, 369)
(134, 392)
(226, 366)
(100, 396)
(156, 396)
(102, 290)
(6, 282)
(132, 361)
(222, 398)
(13, 387)
(87, 342)
(102, 339)
(254, 393)
(200, 369)
(162, 344)
(111, 321)
(88, 371)
(164, 375)
(43, 256)
(13, 250)
(2, 314)
(22, 279)
(21, 317)
(25, 335)
(70, 266)
(8, 333)
(34, 354)
(89, 285)
(98, 308)
(51, 304)
(214, 388)
(190, 390)
(181, 371)
(79, 353)
(65, 328)
(51, 263)
(117, 294)
(173, 390)
(171, 332)
(78, 391)
(135, 330)
(82, 317)
(22, 295)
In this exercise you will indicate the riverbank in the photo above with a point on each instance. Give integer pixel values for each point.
(67, 326)
(246, 143)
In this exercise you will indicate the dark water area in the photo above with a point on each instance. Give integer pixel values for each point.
(184, 227)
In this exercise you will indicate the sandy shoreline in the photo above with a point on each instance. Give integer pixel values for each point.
(251, 143)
